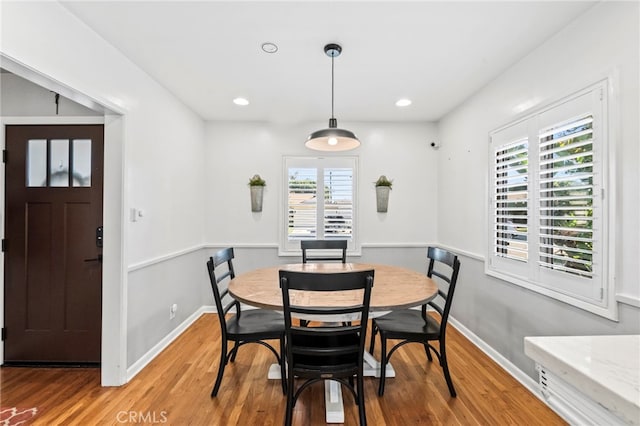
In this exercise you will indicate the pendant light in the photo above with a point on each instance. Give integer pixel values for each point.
(332, 138)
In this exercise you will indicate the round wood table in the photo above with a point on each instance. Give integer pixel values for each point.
(393, 288)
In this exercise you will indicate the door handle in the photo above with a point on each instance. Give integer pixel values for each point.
(95, 259)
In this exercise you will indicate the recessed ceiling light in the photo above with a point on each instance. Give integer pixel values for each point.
(269, 47)
(241, 101)
(403, 102)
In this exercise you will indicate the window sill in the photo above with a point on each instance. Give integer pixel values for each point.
(609, 308)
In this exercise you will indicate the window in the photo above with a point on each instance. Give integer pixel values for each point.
(320, 200)
(548, 205)
(49, 161)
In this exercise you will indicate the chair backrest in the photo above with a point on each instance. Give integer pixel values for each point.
(220, 267)
(334, 250)
(360, 282)
(443, 268)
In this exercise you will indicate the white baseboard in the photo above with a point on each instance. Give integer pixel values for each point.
(524, 379)
(166, 341)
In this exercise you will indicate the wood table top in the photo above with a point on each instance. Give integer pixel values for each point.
(393, 287)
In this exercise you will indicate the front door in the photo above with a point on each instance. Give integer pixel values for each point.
(53, 244)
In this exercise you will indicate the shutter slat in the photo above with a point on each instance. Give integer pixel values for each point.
(557, 267)
(566, 157)
(564, 138)
(571, 177)
(569, 125)
(566, 248)
(566, 169)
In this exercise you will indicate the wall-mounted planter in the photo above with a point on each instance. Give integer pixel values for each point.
(382, 198)
(383, 187)
(256, 186)
(256, 198)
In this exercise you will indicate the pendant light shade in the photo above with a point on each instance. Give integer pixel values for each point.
(332, 138)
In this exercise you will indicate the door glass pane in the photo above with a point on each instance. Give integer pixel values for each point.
(82, 162)
(59, 164)
(37, 162)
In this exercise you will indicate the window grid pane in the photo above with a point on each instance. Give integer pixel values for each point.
(37, 163)
(59, 162)
(81, 162)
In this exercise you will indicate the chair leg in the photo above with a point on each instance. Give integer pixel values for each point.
(288, 416)
(283, 371)
(445, 369)
(374, 330)
(350, 379)
(383, 363)
(360, 400)
(223, 362)
(234, 351)
(428, 351)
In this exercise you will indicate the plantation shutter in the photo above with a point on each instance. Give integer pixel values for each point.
(511, 200)
(566, 195)
(302, 203)
(338, 203)
(548, 209)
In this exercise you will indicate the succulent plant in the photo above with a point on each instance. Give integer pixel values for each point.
(256, 180)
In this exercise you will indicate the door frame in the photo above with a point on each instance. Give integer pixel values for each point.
(115, 202)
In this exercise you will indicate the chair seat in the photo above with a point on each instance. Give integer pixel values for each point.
(408, 324)
(256, 322)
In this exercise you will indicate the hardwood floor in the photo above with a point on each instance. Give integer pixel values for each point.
(174, 389)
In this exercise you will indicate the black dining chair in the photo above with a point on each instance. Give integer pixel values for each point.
(333, 250)
(417, 326)
(329, 351)
(248, 326)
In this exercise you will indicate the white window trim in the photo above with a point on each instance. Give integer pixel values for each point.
(284, 250)
(607, 307)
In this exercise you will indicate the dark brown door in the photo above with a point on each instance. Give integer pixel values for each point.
(53, 244)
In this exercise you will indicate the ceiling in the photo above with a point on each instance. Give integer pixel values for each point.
(436, 53)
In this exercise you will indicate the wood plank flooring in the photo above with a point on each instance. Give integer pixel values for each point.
(174, 390)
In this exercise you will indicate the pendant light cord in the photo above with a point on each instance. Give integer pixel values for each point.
(332, 56)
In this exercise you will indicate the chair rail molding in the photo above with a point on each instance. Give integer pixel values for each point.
(164, 257)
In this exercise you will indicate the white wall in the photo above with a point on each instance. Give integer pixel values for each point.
(603, 42)
(401, 151)
(160, 168)
(22, 98)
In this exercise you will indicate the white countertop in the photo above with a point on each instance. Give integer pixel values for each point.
(605, 368)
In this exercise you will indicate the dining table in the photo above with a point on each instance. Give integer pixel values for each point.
(394, 287)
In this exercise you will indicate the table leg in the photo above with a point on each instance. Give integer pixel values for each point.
(274, 372)
(334, 408)
(372, 367)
